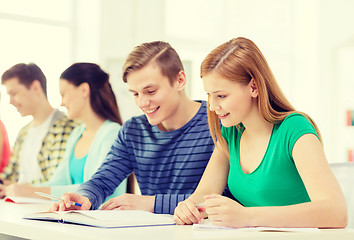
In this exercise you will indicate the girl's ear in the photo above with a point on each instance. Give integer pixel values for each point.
(253, 88)
(181, 80)
(85, 89)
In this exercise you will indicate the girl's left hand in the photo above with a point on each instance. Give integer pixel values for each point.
(223, 211)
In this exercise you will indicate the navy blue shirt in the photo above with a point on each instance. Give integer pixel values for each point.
(167, 165)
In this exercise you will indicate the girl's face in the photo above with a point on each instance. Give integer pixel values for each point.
(73, 98)
(230, 100)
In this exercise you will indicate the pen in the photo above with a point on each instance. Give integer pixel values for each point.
(55, 198)
(200, 205)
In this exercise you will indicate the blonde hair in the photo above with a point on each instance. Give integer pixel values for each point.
(159, 52)
(241, 60)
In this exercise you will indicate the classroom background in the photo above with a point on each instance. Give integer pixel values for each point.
(309, 45)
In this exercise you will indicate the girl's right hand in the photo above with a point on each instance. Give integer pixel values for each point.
(187, 212)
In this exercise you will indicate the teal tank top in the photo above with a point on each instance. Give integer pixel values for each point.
(276, 181)
(76, 166)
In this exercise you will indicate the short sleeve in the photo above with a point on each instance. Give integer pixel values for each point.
(295, 126)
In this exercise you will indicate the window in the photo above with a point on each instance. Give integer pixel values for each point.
(38, 31)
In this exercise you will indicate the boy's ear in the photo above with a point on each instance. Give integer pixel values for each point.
(36, 87)
(253, 88)
(181, 80)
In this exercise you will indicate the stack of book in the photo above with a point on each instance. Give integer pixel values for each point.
(350, 117)
(350, 155)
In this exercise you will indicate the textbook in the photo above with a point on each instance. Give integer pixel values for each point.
(105, 218)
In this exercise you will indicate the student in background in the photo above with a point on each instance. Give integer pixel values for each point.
(167, 148)
(88, 97)
(270, 154)
(5, 151)
(40, 145)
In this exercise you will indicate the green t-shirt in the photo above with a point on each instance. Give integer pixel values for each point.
(276, 181)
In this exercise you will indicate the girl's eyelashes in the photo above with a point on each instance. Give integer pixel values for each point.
(219, 95)
(151, 91)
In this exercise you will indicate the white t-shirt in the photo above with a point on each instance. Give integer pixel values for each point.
(29, 168)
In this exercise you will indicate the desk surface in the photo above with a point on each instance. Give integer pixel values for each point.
(11, 223)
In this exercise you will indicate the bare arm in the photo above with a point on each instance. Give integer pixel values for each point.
(25, 190)
(327, 208)
(214, 180)
(1, 139)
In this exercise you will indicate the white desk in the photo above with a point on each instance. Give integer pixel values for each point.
(11, 223)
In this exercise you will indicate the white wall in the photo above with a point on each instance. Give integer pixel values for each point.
(336, 33)
(299, 38)
(304, 41)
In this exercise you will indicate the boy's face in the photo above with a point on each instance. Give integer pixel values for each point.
(154, 94)
(21, 97)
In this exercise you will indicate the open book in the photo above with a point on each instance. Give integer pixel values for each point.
(105, 218)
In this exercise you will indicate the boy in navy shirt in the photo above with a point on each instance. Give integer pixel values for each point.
(167, 148)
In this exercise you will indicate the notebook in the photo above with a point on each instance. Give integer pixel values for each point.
(26, 200)
(207, 225)
(105, 218)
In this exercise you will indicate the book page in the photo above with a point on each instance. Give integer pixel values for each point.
(106, 218)
(126, 217)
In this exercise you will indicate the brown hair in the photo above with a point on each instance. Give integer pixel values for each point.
(26, 74)
(102, 98)
(240, 60)
(159, 52)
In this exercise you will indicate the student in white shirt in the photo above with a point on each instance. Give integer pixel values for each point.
(40, 145)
